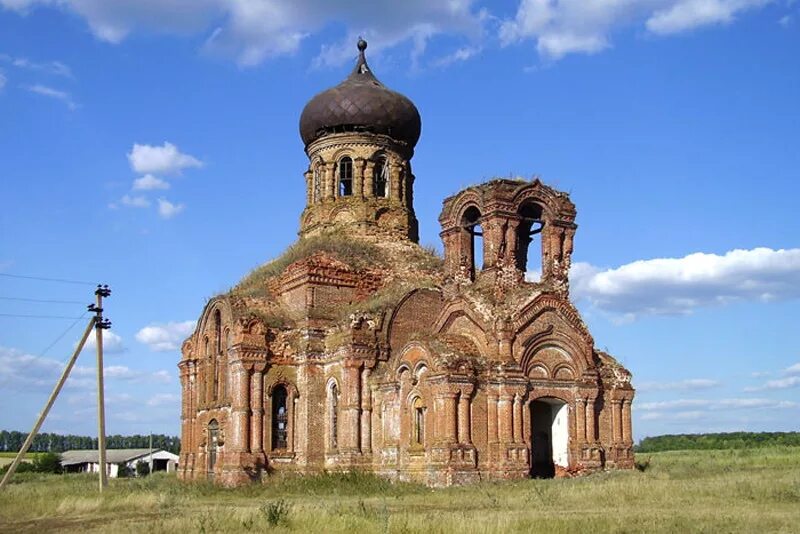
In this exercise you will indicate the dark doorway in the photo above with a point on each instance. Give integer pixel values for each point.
(549, 435)
(213, 437)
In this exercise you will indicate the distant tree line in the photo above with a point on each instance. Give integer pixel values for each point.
(12, 440)
(727, 440)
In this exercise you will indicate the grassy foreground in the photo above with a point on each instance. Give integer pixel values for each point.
(756, 490)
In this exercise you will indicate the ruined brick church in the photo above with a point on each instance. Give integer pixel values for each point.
(360, 350)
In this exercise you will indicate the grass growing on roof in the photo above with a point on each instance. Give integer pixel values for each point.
(356, 253)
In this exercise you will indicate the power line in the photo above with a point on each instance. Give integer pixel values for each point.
(41, 278)
(37, 316)
(62, 334)
(21, 299)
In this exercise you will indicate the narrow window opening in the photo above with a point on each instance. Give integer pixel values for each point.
(471, 224)
(380, 184)
(419, 423)
(317, 184)
(345, 177)
(527, 256)
(334, 426)
(216, 355)
(280, 418)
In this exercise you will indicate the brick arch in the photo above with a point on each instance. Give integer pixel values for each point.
(480, 334)
(226, 314)
(409, 359)
(340, 153)
(291, 389)
(555, 205)
(566, 360)
(412, 315)
(546, 303)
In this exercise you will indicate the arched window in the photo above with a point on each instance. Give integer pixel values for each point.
(471, 222)
(316, 184)
(531, 223)
(380, 183)
(418, 423)
(280, 418)
(345, 177)
(215, 366)
(333, 415)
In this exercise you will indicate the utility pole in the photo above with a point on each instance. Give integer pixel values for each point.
(101, 324)
(56, 390)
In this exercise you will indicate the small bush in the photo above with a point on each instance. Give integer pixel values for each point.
(275, 511)
(48, 462)
(643, 465)
(23, 467)
(142, 468)
(124, 471)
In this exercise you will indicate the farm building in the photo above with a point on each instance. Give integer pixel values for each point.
(86, 461)
(360, 350)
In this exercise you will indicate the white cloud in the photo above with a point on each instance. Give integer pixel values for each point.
(3, 80)
(165, 336)
(681, 285)
(125, 373)
(562, 27)
(167, 209)
(688, 384)
(55, 94)
(689, 14)
(779, 383)
(148, 182)
(716, 404)
(135, 201)
(161, 399)
(254, 30)
(19, 370)
(165, 159)
(791, 379)
(112, 343)
(462, 54)
(56, 68)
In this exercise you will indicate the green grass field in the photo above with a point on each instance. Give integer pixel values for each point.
(752, 490)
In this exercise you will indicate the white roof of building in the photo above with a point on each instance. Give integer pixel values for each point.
(113, 456)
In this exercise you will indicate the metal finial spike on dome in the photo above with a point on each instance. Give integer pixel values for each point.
(361, 64)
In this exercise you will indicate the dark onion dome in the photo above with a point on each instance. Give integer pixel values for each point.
(361, 104)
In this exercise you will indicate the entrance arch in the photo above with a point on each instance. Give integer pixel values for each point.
(213, 438)
(549, 436)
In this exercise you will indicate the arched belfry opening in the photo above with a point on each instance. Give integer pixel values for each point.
(529, 248)
(345, 177)
(471, 223)
(549, 436)
(380, 183)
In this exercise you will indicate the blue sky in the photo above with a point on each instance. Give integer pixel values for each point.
(153, 146)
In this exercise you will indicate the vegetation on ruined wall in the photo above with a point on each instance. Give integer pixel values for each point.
(727, 440)
(355, 253)
(753, 490)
